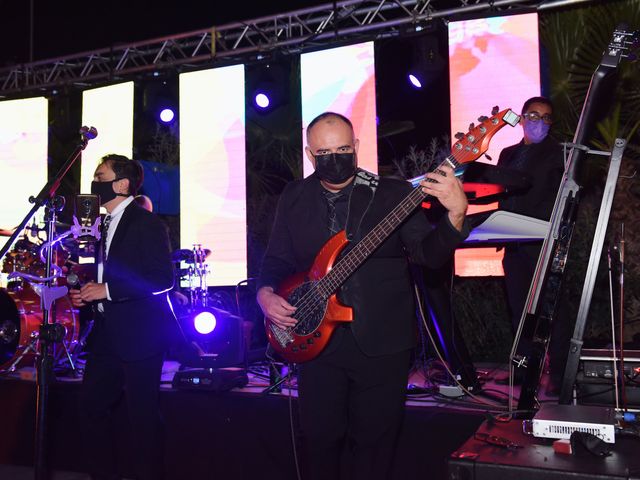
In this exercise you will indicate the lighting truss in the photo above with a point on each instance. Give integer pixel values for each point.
(289, 32)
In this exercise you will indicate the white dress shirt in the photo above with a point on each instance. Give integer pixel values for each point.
(116, 215)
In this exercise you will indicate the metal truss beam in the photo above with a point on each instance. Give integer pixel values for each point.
(289, 32)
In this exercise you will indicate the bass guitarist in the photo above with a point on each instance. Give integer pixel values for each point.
(353, 393)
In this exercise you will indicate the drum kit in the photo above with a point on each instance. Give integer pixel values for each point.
(21, 311)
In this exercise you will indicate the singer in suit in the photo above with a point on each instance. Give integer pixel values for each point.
(353, 393)
(134, 324)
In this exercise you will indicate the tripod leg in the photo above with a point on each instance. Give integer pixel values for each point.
(68, 355)
(28, 348)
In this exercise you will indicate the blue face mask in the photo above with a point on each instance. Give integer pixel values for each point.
(536, 131)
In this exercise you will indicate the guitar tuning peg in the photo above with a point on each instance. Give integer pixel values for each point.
(459, 135)
(471, 126)
(495, 110)
(483, 118)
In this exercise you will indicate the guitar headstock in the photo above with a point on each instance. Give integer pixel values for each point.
(475, 142)
(624, 44)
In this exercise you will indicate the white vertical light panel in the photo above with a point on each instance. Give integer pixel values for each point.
(213, 210)
(492, 61)
(23, 156)
(110, 110)
(342, 80)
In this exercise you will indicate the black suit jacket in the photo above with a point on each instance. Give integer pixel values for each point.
(380, 291)
(544, 165)
(138, 321)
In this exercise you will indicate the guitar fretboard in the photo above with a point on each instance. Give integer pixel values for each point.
(343, 269)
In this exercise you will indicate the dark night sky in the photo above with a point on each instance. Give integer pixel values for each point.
(64, 27)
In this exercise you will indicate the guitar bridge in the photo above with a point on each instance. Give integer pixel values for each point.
(283, 337)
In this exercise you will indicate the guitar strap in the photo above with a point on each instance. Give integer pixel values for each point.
(364, 189)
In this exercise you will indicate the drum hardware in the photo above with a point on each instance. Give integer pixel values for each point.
(44, 366)
(195, 274)
(49, 332)
(53, 332)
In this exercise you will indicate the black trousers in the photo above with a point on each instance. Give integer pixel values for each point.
(348, 399)
(519, 264)
(106, 379)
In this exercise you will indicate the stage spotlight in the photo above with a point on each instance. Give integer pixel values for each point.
(427, 65)
(205, 322)
(167, 115)
(267, 86)
(215, 338)
(262, 100)
(414, 80)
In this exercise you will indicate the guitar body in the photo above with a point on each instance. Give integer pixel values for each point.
(315, 325)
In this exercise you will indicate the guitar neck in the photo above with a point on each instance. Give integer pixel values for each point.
(363, 249)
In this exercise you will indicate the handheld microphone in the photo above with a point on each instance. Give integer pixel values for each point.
(89, 132)
(73, 281)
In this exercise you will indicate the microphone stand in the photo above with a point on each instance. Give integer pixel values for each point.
(50, 332)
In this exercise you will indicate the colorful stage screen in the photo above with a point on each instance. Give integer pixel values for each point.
(492, 61)
(342, 80)
(110, 110)
(23, 158)
(213, 170)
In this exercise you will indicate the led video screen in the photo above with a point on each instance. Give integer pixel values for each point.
(110, 111)
(213, 170)
(492, 61)
(23, 159)
(342, 80)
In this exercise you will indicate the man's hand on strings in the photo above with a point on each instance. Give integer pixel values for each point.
(447, 188)
(276, 308)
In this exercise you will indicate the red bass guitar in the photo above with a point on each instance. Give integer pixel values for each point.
(314, 292)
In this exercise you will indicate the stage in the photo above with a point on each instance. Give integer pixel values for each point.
(240, 434)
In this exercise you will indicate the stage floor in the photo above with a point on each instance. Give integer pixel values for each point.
(240, 434)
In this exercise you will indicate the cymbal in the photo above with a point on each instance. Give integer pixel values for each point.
(186, 255)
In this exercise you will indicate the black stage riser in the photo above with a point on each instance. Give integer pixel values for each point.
(218, 435)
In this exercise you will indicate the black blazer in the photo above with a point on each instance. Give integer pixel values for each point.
(138, 321)
(544, 165)
(381, 290)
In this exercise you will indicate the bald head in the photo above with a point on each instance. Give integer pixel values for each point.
(331, 119)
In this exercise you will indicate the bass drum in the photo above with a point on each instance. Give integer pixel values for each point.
(20, 319)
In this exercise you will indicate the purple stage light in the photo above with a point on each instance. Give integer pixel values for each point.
(415, 81)
(167, 115)
(262, 100)
(205, 322)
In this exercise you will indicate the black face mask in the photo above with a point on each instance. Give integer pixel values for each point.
(335, 168)
(105, 191)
